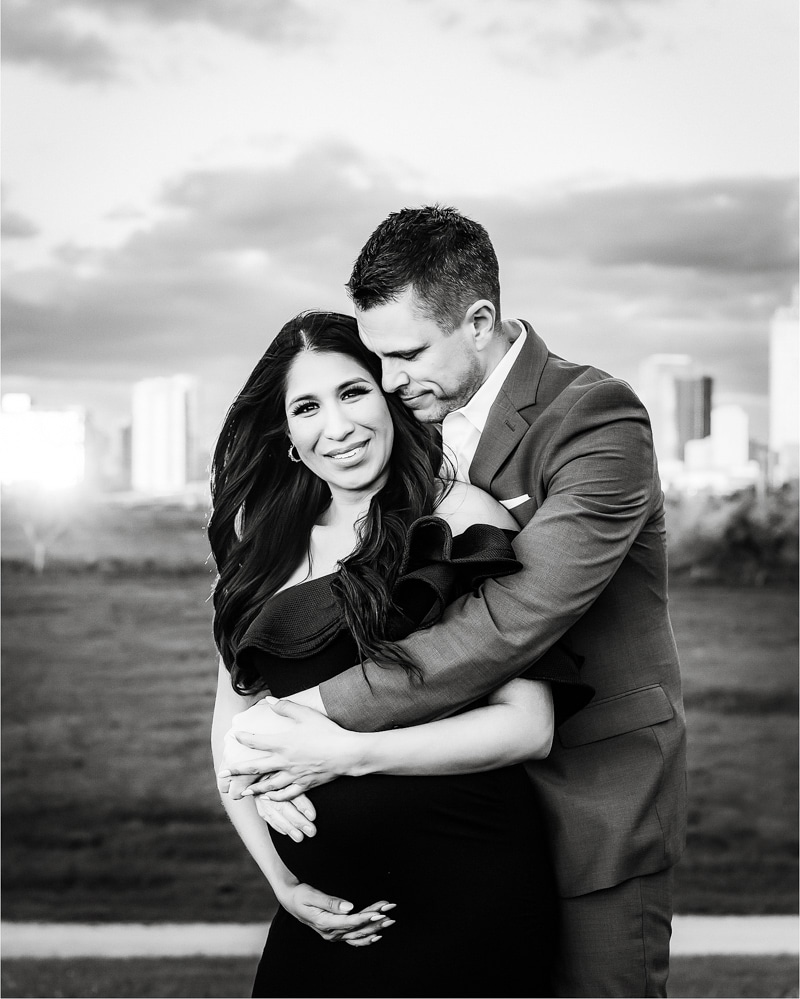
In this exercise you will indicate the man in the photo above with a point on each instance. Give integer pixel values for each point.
(568, 450)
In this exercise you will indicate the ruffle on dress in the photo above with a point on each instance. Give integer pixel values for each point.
(435, 569)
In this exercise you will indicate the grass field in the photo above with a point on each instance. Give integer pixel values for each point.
(729, 977)
(109, 807)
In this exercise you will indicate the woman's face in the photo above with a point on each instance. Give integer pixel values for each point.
(338, 421)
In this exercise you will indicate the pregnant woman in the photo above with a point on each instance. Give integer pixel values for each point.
(333, 536)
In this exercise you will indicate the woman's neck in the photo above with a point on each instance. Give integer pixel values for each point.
(347, 508)
(336, 535)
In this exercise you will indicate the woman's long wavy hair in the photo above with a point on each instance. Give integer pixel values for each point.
(264, 506)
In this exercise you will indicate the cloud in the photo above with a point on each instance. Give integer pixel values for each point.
(45, 32)
(613, 275)
(540, 35)
(607, 275)
(237, 254)
(736, 226)
(268, 20)
(15, 225)
(39, 33)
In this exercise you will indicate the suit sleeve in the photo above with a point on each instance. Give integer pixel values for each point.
(598, 479)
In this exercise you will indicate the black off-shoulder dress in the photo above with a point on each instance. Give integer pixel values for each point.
(464, 857)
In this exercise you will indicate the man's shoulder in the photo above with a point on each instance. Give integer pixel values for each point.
(561, 376)
(567, 384)
(556, 377)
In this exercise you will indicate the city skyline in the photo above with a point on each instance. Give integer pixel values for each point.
(164, 211)
(699, 443)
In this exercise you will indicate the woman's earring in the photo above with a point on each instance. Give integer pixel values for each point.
(291, 456)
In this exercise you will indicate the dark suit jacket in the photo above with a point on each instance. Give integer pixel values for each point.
(577, 443)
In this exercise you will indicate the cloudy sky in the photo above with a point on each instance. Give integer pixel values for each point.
(180, 177)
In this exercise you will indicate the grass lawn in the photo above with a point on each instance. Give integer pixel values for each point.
(729, 977)
(109, 807)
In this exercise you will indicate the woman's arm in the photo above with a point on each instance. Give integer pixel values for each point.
(516, 725)
(323, 913)
(462, 505)
(243, 815)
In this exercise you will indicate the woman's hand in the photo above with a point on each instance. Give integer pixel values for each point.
(331, 918)
(294, 819)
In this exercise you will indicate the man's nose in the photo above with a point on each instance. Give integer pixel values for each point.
(392, 376)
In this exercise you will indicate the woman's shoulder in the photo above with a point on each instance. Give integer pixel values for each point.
(463, 504)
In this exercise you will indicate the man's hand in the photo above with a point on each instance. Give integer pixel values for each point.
(236, 758)
(298, 748)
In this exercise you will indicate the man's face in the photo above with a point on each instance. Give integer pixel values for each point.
(433, 374)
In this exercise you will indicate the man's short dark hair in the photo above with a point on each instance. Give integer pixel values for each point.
(446, 258)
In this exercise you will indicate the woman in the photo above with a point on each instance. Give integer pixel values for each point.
(322, 529)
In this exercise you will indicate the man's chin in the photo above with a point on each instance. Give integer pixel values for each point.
(433, 411)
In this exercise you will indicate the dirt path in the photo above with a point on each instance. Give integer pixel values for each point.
(691, 935)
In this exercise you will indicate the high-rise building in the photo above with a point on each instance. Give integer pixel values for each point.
(784, 371)
(163, 428)
(692, 410)
(730, 436)
(720, 462)
(658, 376)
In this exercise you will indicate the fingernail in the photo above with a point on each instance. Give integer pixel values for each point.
(309, 830)
(223, 774)
(345, 906)
(375, 918)
(388, 922)
(375, 939)
(389, 905)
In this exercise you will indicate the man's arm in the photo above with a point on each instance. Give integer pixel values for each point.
(515, 724)
(600, 481)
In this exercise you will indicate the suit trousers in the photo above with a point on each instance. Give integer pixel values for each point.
(615, 942)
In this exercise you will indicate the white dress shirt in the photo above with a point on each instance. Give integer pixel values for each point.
(462, 429)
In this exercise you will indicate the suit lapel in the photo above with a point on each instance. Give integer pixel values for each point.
(507, 425)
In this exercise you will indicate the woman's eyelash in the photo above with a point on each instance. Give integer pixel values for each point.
(357, 390)
(305, 407)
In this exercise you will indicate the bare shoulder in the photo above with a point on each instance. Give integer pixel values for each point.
(464, 504)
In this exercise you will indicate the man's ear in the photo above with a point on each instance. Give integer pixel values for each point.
(480, 317)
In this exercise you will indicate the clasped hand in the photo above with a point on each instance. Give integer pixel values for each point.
(277, 750)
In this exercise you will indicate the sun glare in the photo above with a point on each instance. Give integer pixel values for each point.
(39, 448)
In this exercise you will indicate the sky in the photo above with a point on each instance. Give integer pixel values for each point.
(181, 177)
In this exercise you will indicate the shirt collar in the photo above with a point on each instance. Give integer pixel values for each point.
(477, 409)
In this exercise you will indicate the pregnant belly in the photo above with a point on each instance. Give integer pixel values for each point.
(392, 837)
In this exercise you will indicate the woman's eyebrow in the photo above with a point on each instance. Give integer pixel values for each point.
(299, 398)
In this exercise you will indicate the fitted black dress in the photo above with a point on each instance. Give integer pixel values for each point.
(463, 857)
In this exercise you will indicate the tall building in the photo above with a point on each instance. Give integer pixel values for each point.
(658, 377)
(692, 410)
(730, 436)
(163, 429)
(720, 462)
(784, 412)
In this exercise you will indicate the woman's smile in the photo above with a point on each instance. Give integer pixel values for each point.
(352, 452)
(339, 422)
